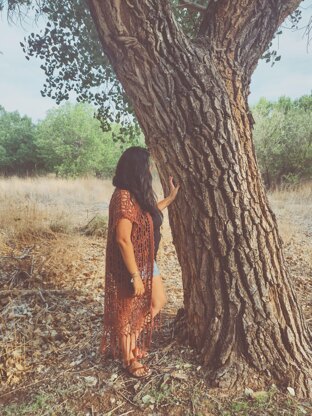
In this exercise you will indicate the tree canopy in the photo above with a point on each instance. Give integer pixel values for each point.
(73, 59)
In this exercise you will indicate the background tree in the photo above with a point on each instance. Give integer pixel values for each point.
(189, 94)
(71, 142)
(18, 151)
(68, 142)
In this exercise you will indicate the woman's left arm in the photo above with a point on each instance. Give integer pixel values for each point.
(171, 197)
(164, 203)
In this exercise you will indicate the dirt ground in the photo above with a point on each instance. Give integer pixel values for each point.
(51, 304)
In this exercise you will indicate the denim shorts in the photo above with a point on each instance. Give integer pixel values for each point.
(156, 271)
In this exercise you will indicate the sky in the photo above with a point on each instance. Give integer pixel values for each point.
(22, 80)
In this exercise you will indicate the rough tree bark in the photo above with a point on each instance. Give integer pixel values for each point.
(190, 98)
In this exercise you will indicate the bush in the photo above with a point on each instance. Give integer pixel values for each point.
(18, 151)
(68, 142)
(283, 139)
(72, 144)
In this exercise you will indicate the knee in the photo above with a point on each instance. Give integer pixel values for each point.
(160, 302)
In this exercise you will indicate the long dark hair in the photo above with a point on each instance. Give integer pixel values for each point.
(133, 173)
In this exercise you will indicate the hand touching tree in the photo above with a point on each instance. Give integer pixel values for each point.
(173, 189)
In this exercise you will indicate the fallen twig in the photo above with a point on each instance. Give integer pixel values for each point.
(40, 292)
(129, 411)
(127, 398)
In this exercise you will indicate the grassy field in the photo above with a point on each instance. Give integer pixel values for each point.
(52, 245)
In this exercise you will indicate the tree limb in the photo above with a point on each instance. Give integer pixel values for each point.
(138, 36)
(193, 7)
(230, 24)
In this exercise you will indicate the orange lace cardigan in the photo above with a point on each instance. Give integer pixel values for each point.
(125, 314)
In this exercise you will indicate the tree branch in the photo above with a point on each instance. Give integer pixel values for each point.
(193, 7)
(144, 44)
(232, 24)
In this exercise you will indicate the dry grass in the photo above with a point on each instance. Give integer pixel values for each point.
(293, 207)
(51, 190)
(300, 193)
(30, 208)
(298, 198)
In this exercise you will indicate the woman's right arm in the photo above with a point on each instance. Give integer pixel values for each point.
(171, 197)
(123, 239)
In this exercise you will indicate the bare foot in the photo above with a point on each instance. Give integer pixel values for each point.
(138, 353)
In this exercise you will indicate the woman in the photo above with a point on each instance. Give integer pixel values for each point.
(134, 292)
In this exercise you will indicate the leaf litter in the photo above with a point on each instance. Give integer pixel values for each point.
(51, 304)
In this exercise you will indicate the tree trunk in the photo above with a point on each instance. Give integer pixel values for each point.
(191, 101)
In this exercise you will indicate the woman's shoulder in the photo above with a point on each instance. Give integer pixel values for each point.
(123, 195)
(122, 192)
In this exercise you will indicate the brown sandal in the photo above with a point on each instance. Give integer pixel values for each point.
(133, 371)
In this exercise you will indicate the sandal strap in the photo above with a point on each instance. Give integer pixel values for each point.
(131, 361)
(138, 368)
(133, 371)
(138, 352)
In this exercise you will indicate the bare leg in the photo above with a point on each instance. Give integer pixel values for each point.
(128, 344)
(125, 343)
(134, 338)
(159, 298)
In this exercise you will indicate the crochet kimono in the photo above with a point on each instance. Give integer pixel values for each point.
(124, 313)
